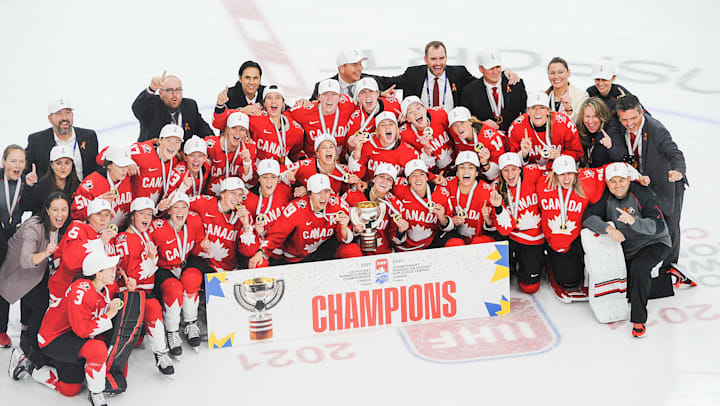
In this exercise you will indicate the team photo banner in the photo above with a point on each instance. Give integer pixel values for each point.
(329, 297)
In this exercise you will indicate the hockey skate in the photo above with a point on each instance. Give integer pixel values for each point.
(20, 365)
(679, 278)
(174, 343)
(164, 364)
(192, 331)
(97, 399)
(563, 294)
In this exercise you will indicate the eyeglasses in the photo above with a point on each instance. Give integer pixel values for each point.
(176, 91)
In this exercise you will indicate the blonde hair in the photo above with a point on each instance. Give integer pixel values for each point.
(553, 182)
(601, 110)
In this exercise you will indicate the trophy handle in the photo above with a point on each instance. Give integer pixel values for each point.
(355, 216)
(382, 208)
(241, 300)
(278, 294)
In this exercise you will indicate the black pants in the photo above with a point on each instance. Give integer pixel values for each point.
(4, 314)
(34, 305)
(64, 352)
(324, 252)
(639, 268)
(673, 224)
(529, 260)
(568, 267)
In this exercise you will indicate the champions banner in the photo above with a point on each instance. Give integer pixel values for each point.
(320, 298)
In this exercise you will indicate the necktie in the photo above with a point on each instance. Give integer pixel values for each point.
(436, 94)
(634, 150)
(174, 117)
(350, 90)
(495, 94)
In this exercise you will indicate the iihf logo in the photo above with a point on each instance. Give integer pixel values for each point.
(382, 271)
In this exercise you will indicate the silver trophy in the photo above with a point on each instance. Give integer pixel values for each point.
(259, 295)
(369, 215)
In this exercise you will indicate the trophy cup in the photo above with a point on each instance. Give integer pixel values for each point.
(257, 296)
(369, 215)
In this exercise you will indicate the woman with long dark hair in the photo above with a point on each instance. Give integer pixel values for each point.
(60, 177)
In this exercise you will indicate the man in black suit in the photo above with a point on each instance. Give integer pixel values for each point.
(491, 98)
(248, 89)
(350, 70)
(83, 142)
(168, 106)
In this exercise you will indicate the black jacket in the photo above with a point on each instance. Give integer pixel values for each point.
(413, 79)
(475, 98)
(237, 97)
(40, 144)
(596, 155)
(153, 115)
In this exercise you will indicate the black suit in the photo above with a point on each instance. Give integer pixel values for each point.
(413, 79)
(314, 95)
(237, 96)
(475, 98)
(40, 144)
(153, 115)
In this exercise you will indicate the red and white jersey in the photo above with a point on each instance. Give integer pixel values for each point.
(275, 143)
(175, 247)
(301, 231)
(520, 219)
(83, 311)
(309, 167)
(470, 205)
(177, 176)
(362, 121)
(96, 184)
(441, 146)
(309, 118)
(134, 260)
(79, 240)
(564, 137)
(154, 174)
(424, 224)
(270, 208)
(487, 137)
(372, 154)
(386, 229)
(228, 164)
(561, 223)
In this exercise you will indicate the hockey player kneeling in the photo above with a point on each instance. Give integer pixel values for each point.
(638, 224)
(70, 334)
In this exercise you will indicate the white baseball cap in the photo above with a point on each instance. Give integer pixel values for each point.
(538, 98)
(349, 56)
(386, 168)
(273, 89)
(459, 114)
(413, 165)
(564, 164)
(467, 157)
(172, 130)
(407, 102)
(96, 261)
(509, 158)
(195, 144)
(120, 156)
(268, 166)
(329, 85)
(489, 58)
(617, 169)
(238, 118)
(231, 184)
(367, 82)
(318, 182)
(60, 151)
(142, 203)
(97, 205)
(385, 115)
(179, 197)
(324, 137)
(59, 104)
(603, 70)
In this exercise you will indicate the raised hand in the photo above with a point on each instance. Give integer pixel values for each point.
(526, 145)
(625, 217)
(157, 82)
(223, 97)
(606, 141)
(31, 178)
(389, 92)
(495, 199)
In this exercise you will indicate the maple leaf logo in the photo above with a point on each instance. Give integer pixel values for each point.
(504, 219)
(445, 158)
(147, 268)
(154, 196)
(419, 233)
(528, 221)
(215, 188)
(466, 231)
(247, 238)
(556, 224)
(216, 251)
(310, 248)
(120, 216)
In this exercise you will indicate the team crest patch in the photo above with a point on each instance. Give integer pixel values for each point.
(88, 184)
(210, 143)
(301, 204)
(146, 148)
(488, 133)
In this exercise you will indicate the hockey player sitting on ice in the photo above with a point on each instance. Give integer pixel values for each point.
(267, 201)
(111, 182)
(155, 163)
(369, 106)
(177, 281)
(325, 162)
(392, 226)
(543, 135)
(425, 211)
(468, 200)
(635, 220)
(231, 154)
(312, 228)
(95, 234)
(385, 147)
(189, 176)
(328, 115)
(563, 195)
(138, 263)
(470, 134)
(427, 131)
(70, 329)
(517, 216)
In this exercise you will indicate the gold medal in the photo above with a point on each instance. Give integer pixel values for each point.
(114, 192)
(396, 217)
(238, 206)
(428, 132)
(260, 217)
(499, 119)
(545, 153)
(346, 178)
(563, 227)
(182, 264)
(460, 212)
(479, 146)
(366, 136)
(119, 305)
(517, 222)
(430, 205)
(113, 227)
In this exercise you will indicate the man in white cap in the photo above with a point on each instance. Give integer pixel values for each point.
(369, 106)
(604, 75)
(81, 141)
(492, 99)
(312, 228)
(266, 201)
(168, 106)
(349, 64)
(427, 130)
(232, 153)
(635, 220)
(155, 164)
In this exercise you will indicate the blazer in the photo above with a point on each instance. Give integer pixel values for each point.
(237, 97)
(40, 144)
(152, 113)
(314, 95)
(18, 275)
(412, 80)
(474, 97)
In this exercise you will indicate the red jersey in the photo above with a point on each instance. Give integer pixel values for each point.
(83, 311)
(309, 118)
(441, 147)
(274, 143)
(424, 224)
(270, 208)
(301, 231)
(520, 219)
(470, 205)
(175, 247)
(564, 137)
(309, 167)
(372, 154)
(228, 164)
(387, 230)
(96, 184)
(152, 181)
(488, 137)
(361, 121)
(177, 176)
(134, 260)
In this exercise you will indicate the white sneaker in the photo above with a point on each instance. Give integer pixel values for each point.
(20, 365)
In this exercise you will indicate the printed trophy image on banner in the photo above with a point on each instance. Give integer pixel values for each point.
(369, 215)
(257, 296)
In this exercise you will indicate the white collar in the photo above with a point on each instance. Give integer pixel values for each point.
(70, 140)
(432, 75)
(489, 86)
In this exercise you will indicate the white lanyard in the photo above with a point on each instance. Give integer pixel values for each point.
(495, 107)
(429, 204)
(229, 165)
(466, 209)
(563, 204)
(391, 146)
(282, 138)
(143, 237)
(427, 89)
(515, 204)
(199, 189)
(11, 207)
(548, 142)
(335, 123)
(552, 101)
(164, 174)
(182, 248)
(113, 188)
(259, 210)
(233, 217)
(365, 121)
(637, 145)
(345, 177)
